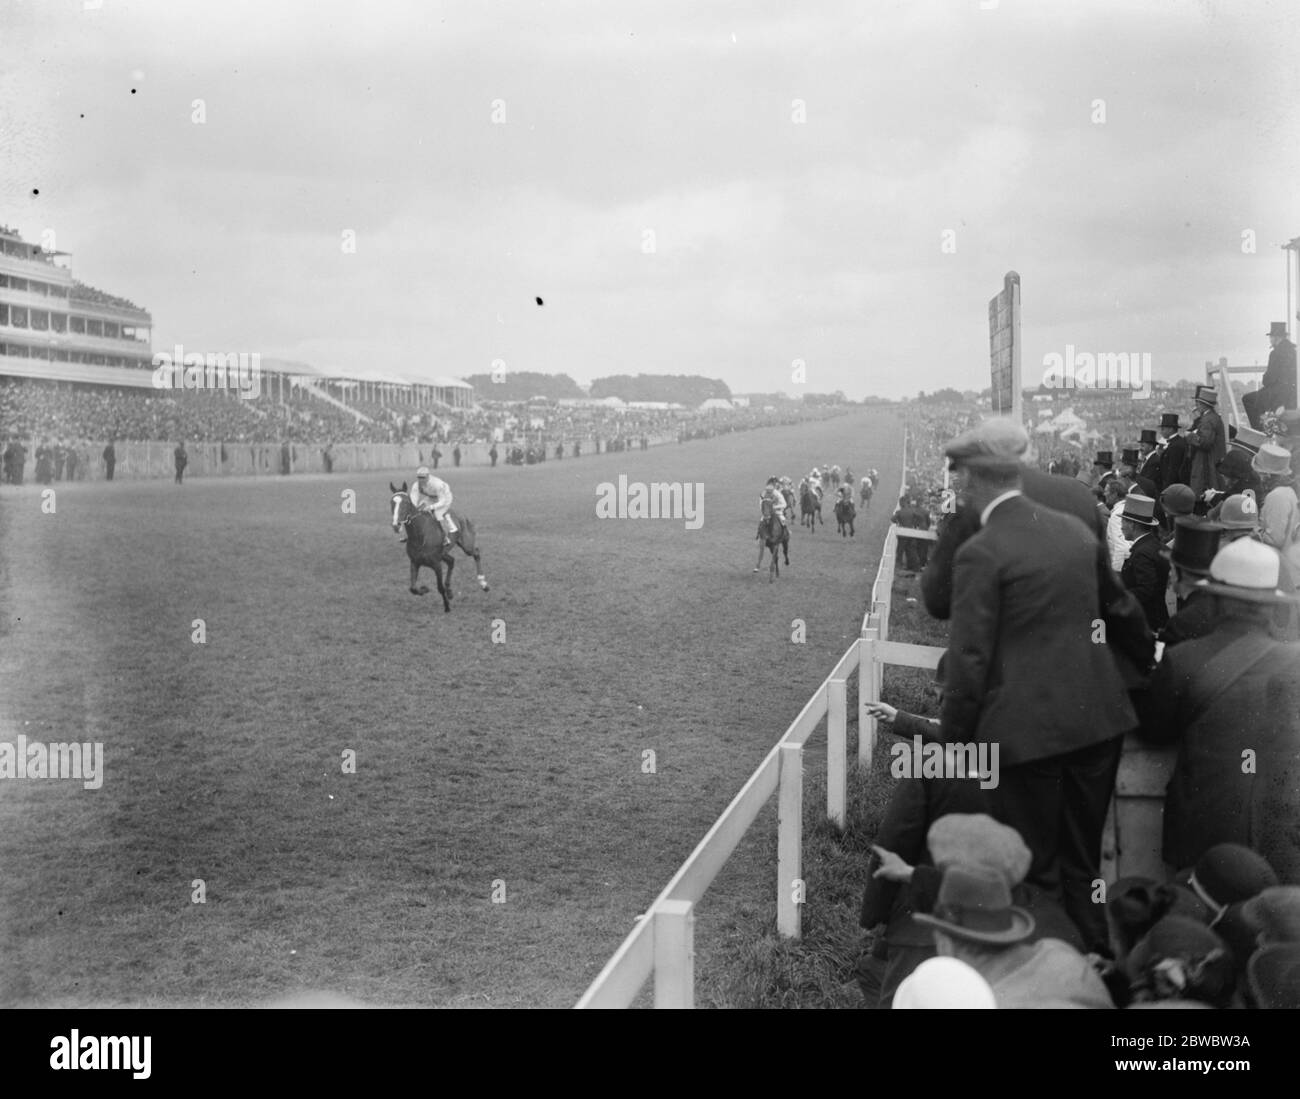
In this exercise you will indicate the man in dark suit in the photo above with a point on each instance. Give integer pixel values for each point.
(1026, 670)
(1146, 571)
(1277, 389)
(1149, 470)
(1173, 452)
(1127, 634)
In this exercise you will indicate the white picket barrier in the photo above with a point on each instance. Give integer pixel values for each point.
(662, 946)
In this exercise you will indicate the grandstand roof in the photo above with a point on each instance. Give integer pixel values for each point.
(390, 377)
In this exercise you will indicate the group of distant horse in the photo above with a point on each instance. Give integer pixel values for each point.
(775, 535)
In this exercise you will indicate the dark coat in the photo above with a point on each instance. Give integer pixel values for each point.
(1195, 618)
(1126, 629)
(1175, 463)
(1023, 670)
(1279, 382)
(1208, 444)
(1214, 796)
(1146, 575)
(1150, 471)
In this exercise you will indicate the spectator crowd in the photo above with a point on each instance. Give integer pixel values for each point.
(1149, 595)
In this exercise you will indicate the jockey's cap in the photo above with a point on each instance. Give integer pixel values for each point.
(423, 471)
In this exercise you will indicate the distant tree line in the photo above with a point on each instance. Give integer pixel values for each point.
(690, 390)
(523, 385)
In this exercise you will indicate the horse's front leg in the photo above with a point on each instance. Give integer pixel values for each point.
(436, 565)
(422, 589)
(450, 562)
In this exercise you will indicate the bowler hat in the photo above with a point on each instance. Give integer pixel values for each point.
(1273, 974)
(1103, 459)
(1178, 499)
(1246, 570)
(1169, 419)
(1195, 543)
(996, 443)
(1272, 460)
(1275, 913)
(1208, 395)
(1129, 456)
(1240, 512)
(976, 839)
(1230, 872)
(1140, 509)
(1277, 328)
(974, 904)
(1148, 436)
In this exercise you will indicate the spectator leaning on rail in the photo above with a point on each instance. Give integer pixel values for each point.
(1024, 671)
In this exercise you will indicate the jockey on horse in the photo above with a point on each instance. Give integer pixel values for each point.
(773, 494)
(430, 493)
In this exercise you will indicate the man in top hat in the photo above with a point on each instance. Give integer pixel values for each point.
(1145, 572)
(975, 921)
(1277, 389)
(1195, 543)
(1026, 590)
(1149, 457)
(1174, 456)
(1226, 698)
(1208, 442)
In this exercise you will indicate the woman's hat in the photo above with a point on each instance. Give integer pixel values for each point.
(1246, 570)
(944, 983)
(1272, 460)
(1240, 512)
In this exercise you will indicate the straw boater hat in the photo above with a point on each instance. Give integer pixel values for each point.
(1140, 509)
(1272, 460)
(1246, 570)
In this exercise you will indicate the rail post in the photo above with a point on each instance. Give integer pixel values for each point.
(789, 844)
(837, 700)
(674, 950)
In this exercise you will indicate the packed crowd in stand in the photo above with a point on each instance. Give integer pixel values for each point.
(62, 418)
(1149, 593)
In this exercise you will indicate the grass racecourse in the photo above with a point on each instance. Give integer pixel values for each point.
(502, 828)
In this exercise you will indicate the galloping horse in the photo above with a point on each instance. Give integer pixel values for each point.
(774, 535)
(428, 546)
(845, 513)
(810, 506)
(864, 496)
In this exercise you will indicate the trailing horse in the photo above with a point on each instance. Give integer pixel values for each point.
(810, 507)
(845, 513)
(428, 546)
(774, 535)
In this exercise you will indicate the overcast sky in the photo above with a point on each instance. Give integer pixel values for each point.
(697, 188)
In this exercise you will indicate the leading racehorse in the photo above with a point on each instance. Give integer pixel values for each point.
(428, 546)
(775, 535)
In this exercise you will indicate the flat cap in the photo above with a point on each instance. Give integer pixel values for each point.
(997, 442)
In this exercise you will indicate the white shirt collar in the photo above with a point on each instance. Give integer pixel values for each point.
(984, 515)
